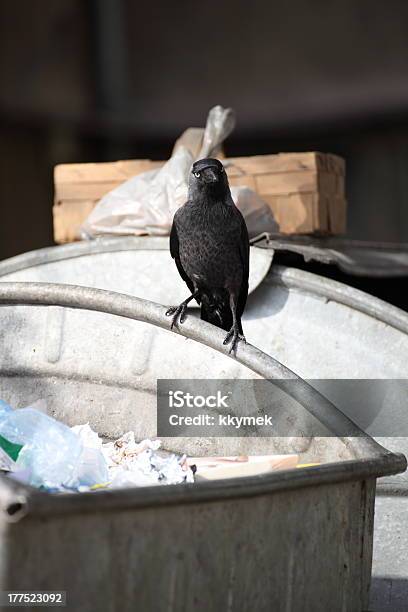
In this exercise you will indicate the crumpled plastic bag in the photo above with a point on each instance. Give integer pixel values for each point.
(49, 453)
(220, 123)
(257, 214)
(146, 203)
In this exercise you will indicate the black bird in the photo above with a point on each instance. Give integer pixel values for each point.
(209, 243)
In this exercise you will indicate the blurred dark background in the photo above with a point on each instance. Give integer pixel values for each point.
(115, 79)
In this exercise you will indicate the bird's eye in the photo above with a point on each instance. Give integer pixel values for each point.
(222, 169)
(197, 174)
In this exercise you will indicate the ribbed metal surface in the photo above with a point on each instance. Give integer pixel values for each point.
(247, 521)
(315, 326)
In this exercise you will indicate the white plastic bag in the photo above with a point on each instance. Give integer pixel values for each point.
(257, 214)
(145, 204)
(220, 124)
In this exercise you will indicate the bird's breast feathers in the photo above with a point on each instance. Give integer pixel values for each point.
(209, 243)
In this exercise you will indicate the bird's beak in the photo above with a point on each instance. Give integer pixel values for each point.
(210, 176)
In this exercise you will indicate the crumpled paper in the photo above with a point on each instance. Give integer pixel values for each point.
(146, 203)
(135, 464)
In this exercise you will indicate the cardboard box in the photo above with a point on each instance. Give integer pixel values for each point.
(306, 191)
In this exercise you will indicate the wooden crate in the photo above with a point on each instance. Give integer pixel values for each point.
(305, 191)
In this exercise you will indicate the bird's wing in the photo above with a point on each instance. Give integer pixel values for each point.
(244, 255)
(174, 252)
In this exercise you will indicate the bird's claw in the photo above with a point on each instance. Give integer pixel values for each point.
(178, 312)
(236, 337)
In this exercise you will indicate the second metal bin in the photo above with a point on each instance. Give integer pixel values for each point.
(296, 540)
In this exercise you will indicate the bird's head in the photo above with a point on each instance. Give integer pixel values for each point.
(208, 178)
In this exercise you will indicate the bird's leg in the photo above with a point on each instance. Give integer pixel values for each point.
(235, 333)
(179, 312)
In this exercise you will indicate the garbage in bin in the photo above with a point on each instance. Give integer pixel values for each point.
(51, 455)
(131, 464)
(214, 468)
(55, 457)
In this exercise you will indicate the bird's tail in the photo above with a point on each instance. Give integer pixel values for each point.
(219, 315)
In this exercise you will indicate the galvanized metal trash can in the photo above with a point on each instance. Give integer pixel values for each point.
(293, 540)
(342, 333)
